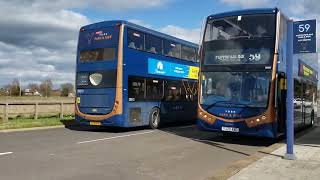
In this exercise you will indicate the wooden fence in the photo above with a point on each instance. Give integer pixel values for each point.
(35, 109)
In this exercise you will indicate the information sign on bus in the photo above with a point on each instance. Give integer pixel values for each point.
(172, 69)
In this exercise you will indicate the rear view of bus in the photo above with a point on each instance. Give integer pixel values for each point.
(129, 75)
(98, 80)
(238, 72)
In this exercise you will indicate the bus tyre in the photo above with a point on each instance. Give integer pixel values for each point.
(154, 118)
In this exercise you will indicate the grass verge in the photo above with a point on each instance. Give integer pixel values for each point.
(28, 123)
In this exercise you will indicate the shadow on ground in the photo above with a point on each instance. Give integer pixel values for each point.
(213, 138)
(75, 126)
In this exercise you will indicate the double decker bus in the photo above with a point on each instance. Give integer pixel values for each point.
(243, 75)
(128, 75)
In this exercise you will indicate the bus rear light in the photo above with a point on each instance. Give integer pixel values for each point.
(82, 30)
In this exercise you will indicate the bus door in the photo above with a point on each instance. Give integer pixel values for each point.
(179, 103)
(307, 103)
(298, 99)
(281, 93)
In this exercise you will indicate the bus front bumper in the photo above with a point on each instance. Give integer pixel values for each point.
(264, 130)
(114, 121)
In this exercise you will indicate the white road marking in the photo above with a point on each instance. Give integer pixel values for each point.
(114, 137)
(5, 153)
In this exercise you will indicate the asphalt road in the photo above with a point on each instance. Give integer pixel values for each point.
(80, 153)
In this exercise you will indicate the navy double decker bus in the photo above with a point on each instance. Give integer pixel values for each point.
(243, 75)
(128, 75)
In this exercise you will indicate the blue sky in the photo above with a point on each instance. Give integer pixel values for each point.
(38, 41)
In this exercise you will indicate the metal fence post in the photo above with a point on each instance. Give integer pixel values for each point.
(61, 110)
(6, 112)
(36, 107)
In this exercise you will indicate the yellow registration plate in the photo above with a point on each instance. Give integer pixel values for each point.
(94, 123)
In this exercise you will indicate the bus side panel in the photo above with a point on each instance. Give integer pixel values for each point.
(137, 113)
(179, 111)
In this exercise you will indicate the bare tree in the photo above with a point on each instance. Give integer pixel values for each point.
(46, 87)
(66, 88)
(15, 88)
(34, 87)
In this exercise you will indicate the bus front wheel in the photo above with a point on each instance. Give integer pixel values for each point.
(154, 118)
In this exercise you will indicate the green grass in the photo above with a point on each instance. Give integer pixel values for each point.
(28, 123)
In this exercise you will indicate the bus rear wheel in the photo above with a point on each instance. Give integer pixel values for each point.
(154, 118)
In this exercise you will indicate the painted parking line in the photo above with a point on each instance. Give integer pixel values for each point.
(114, 137)
(5, 153)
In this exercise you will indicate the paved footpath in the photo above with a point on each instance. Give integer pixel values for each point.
(273, 166)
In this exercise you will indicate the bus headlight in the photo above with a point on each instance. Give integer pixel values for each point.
(95, 79)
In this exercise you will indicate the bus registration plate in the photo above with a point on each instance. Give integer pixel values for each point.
(94, 123)
(230, 129)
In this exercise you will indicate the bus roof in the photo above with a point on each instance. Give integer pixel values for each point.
(244, 12)
(104, 24)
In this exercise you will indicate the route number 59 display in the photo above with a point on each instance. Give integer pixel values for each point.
(304, 27)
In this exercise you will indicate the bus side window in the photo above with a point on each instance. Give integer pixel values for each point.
(153, 44)
(154, 89)
(171, 49)
(136, 88)
(174, 91)
(135, 39)
(188, 53)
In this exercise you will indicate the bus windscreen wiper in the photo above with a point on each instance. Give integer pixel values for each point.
(248, 37)
(241, 37)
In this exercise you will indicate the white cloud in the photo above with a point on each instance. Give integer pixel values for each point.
(247, 3)
(192, 35)
(39, 39)
(110, 5)
(140, 22)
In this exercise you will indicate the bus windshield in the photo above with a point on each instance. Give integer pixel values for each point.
(246, 88)
(247, 39)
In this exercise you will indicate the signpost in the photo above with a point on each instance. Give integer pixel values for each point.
(304, 36)
(301, 39)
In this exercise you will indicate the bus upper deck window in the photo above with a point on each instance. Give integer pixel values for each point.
(188, 53)
(153, 44)
(172, 49)
(135, 39)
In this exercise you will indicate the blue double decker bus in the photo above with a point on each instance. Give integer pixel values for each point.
(128, 75)
(243, 75)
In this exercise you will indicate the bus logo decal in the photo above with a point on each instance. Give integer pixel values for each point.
(90, 36)
(160, 66)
